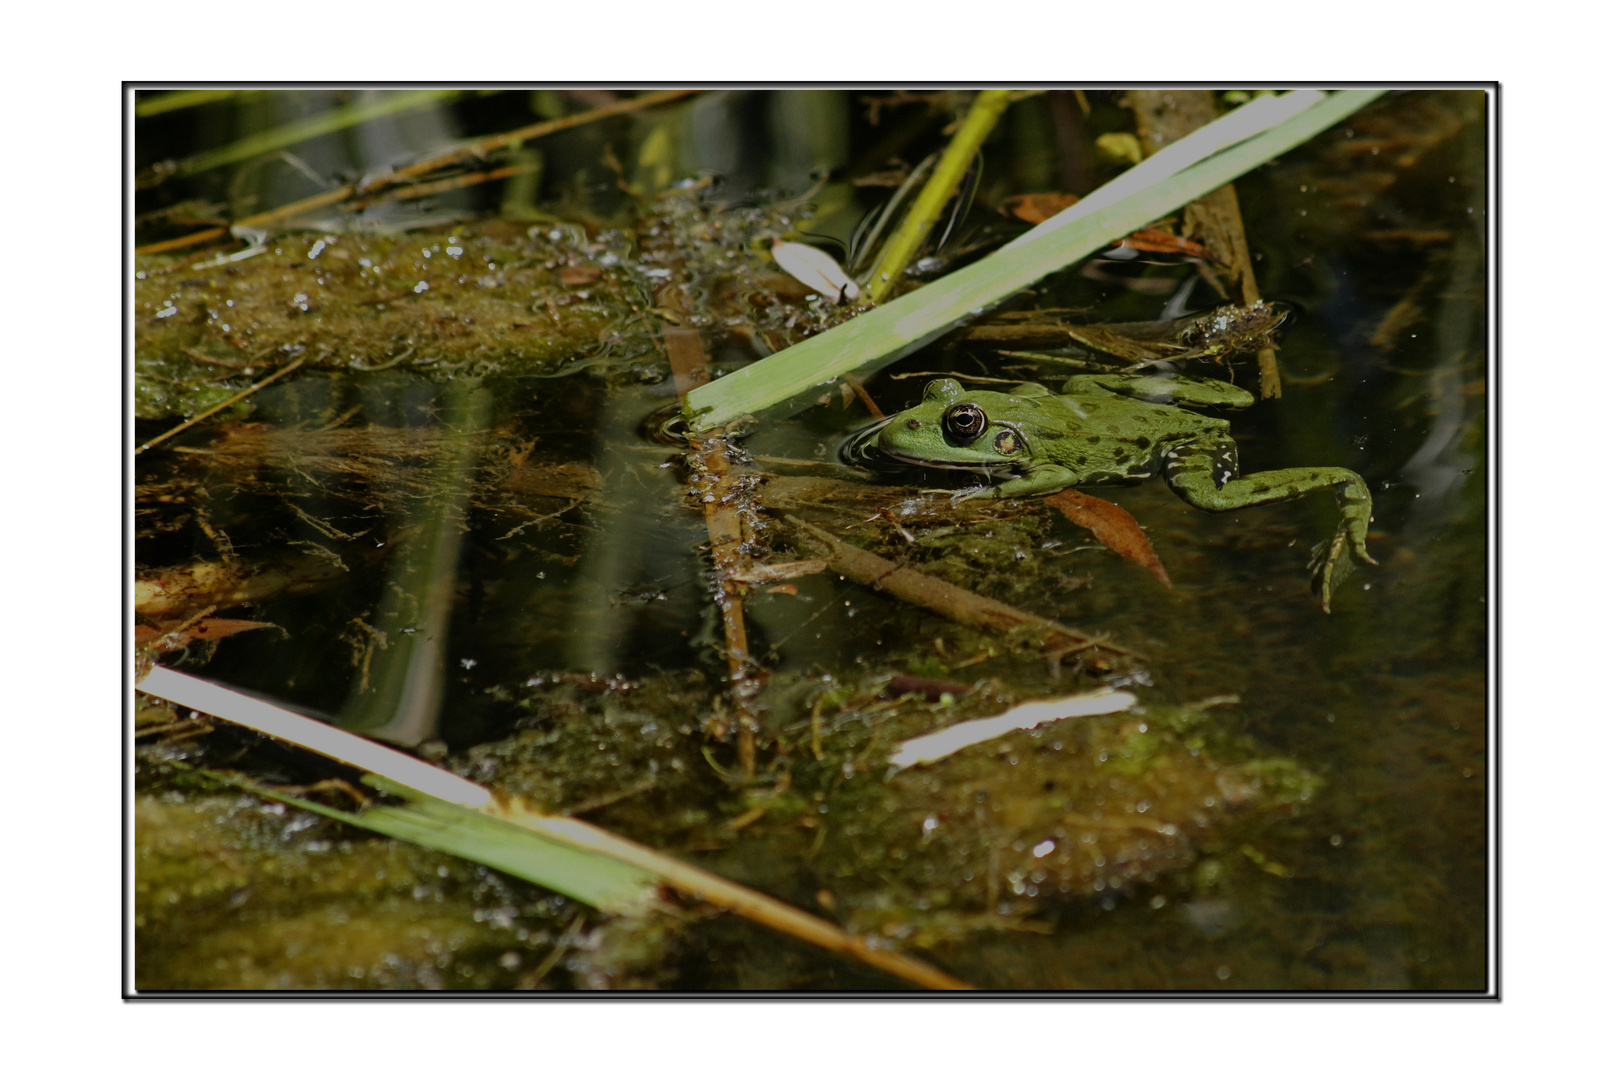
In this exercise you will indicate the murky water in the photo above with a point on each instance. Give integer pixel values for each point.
(476, 555)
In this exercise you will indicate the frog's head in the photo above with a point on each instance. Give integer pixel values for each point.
(954, 429)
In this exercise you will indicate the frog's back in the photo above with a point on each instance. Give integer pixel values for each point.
(1106, 412)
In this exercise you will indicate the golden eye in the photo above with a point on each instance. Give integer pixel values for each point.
(1007, 442)
(963, 423)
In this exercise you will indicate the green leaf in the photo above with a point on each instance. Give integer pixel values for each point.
(900, 327)
(603, 882)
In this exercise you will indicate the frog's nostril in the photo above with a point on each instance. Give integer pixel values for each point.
(914, 423)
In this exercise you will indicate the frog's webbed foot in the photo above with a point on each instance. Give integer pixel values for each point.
(1331, 559)
(1203, 475)
(1330, 565)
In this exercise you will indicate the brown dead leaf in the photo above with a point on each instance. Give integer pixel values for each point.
(1113, 525)
(765, 573)
(214, 629)
(1037, 208)
(167, 637)
(578, 275)
(1166, 242)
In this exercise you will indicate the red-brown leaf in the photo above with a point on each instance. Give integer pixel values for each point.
(1111, 524)
(1037, 208)
(201, 630)
(214, 629)
(578, 275)
(1161, 241)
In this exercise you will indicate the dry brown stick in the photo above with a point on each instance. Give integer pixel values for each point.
(727, 894)
(1162, 117)
(729, 535)
(438, 187)
(203, 358)
(525, 134)
(953, 602)
(398, 773)
(205, 414)
(477, 149)
(866, 399)
(183, 241)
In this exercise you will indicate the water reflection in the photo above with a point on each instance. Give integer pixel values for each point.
(527, 585)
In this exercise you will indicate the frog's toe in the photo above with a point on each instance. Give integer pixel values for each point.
(1330, 567)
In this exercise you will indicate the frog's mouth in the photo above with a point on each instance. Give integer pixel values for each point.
(985, 468)
(862, 451)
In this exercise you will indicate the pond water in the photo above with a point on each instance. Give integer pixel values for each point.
(485, 550)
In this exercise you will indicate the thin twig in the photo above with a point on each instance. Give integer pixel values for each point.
(532, 980)
(511, 139)
(399, 773)
(729, 535)
(183, 241)
(474, 149)
(439, 187)
(729, 895)
(959, 377)
(1164, 116)
(866, 399)
(962, 605)
(204, 358)
(255, 388)
(339, 118)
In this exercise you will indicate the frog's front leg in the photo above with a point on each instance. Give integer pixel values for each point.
(1204, 472)
(1044, 479)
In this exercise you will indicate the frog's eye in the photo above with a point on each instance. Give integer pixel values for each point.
(963, 423)
(1008, 443)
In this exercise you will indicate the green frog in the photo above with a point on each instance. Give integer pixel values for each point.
(1113, 429)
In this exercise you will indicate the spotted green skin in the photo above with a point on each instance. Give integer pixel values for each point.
(1122, 429)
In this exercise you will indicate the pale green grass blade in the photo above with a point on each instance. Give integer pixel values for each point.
(604, 883)
(448, 813)
(159, 104)
(237, 707)
(902, 326)
(444, 811)
(902, 246)
(1239, 124)
(297, 131)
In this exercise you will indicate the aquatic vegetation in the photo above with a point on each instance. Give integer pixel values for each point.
(472, 473)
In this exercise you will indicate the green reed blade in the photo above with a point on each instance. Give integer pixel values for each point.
(603, 882)
(902, 326)
(297, 131)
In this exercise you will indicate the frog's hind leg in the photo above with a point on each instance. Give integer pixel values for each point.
(1205, 475)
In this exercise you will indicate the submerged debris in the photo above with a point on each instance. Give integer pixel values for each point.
(573, 530)
(962, 605)
(1212, 336)
(254, 889)
(494, 298)
(1029, 714)
(1074, 810)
